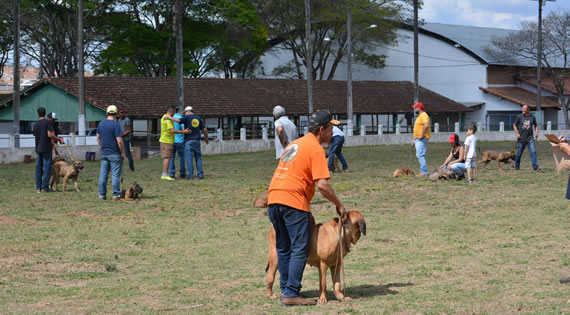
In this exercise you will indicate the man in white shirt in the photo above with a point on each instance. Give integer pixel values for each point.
(285, 130)
(336, 149)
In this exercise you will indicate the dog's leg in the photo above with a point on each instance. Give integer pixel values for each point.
(337, 288)
(499, 164)
(271, 264)
(65, 179)
(76, 185)
(322, 283)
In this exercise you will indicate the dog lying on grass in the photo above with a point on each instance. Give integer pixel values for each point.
(402, 172)
(442, 174)
(504, 157)
(62, 169)
(132, 193)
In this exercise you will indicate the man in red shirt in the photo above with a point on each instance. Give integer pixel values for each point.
(302, 166)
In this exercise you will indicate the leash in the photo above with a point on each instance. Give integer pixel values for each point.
(340, 246)
(68, 150)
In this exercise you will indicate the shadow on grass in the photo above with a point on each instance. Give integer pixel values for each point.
(363, 291)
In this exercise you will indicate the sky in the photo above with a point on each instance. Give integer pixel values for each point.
(487, 13)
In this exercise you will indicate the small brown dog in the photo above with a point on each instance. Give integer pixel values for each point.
(324, 252)
(62, 169)
(403, 172)
(504, 157)
(132, 193)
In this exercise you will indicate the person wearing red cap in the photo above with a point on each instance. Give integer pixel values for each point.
(421, 137)
(455, 160)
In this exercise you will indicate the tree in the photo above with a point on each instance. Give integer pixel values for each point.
(523, 45)
(6, 41)
(285, 20)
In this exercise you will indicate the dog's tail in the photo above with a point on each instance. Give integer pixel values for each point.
(267, 267)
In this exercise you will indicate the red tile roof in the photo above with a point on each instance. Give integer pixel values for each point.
(520, 96)
(149, 97)
(547, 84)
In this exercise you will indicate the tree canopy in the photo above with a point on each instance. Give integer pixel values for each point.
(523, 45)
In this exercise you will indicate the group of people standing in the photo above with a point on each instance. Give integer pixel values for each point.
(461, 159)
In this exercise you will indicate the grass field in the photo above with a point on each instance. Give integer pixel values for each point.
(499, 245)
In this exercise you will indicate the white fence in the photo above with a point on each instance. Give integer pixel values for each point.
(28, 141)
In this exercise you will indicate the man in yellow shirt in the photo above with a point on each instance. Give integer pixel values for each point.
(421, 137)
(166, 140)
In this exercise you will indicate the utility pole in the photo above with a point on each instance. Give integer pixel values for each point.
(349, 126)
(309, 54)
(539, 63)
(416, 55)
(80, 74)
(16, 96)
(178, 14)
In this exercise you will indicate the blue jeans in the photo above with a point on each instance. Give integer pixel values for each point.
(336, 149)
(178, 147)
(458, 168)
(128, 154)
(421, 149)
(531, 149)
(192, 148)
(43, 170)
(115, 163)
(293, 241)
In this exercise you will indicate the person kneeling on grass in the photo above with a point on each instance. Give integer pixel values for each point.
(456, 159)
(167, 132)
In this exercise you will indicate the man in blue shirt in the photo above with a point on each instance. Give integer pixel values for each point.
(178, 148)
(192, 141)
(110, 138)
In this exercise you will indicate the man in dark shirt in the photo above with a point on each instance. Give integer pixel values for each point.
(127, 129)
(43, 132)
(53, 119)
(192, 146)
(110, 138)
(523, 129)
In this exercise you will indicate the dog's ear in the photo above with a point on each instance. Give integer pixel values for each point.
(362, 226)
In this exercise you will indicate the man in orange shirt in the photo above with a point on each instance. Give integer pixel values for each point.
(421, 137)
(302, 165)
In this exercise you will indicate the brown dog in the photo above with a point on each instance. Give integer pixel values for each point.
(261, 200)
(61, 169)
(132, 193)
(504, 157)
(324, 252)
(402, 172)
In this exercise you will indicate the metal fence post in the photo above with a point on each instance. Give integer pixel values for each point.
(242, 134)
(220, 134)
(380, 129)
(549, 126)
(436, 128)
(457, 127)
(397, 129)
(264, 133)
(502, 126)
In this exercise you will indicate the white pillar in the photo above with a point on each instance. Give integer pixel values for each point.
(380, 131)
(220, 134)
(457, 127)
(348, 131)
(436, 128)
(479, 126)
(345, 130)
(305, 130)
(397, 129)
(502, 126)
(363, 130)
(242, 134)
(12, 141)
(549, 126)
(264, 133)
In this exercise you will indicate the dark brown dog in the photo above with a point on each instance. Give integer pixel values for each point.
(402, 172)
(324, 252)
(504, 157)
(132, 193)
(61, 169)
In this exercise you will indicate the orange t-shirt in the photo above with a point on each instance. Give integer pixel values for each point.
(302, 163)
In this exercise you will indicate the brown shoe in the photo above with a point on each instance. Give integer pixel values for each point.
(294, 301)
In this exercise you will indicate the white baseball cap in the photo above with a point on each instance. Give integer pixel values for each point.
(112, 109)
(188, 109)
